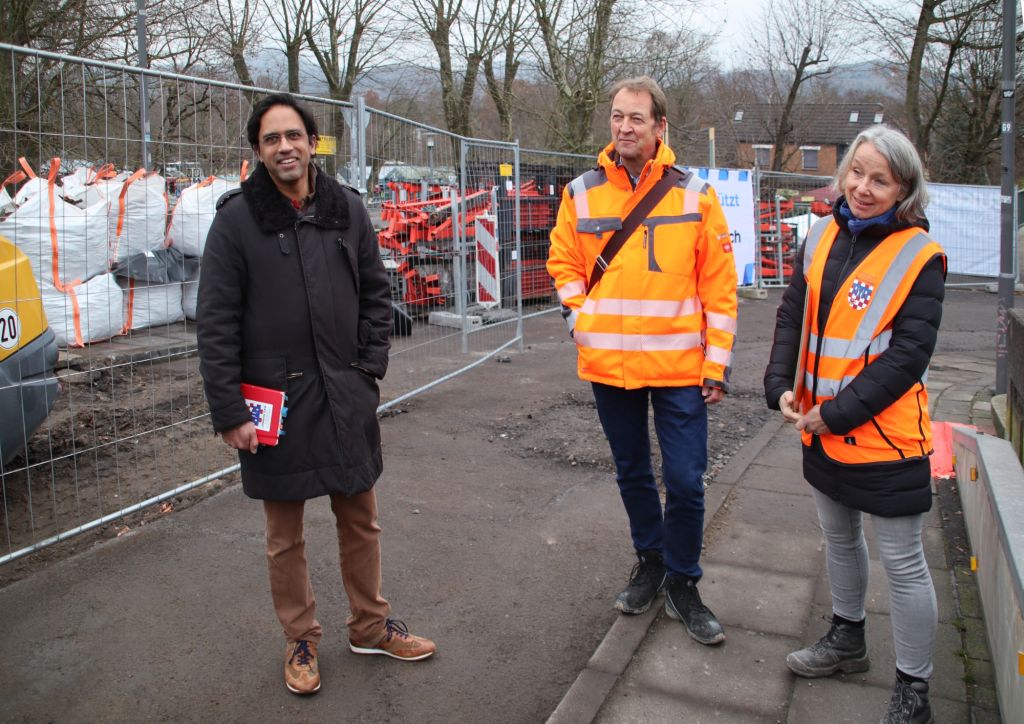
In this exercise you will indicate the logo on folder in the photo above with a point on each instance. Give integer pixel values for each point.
(860, 294)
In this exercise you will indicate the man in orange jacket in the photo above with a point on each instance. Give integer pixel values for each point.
(658, 326)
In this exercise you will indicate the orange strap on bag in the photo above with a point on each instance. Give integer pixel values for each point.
(244, 174)
(28, 169)
(129, 311)
(121, 210)
(76, 311)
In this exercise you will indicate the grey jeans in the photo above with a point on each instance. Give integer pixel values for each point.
(911, 592)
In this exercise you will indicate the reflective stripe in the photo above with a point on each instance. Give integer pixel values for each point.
(887, 287)
(827, 387)
(814, 235)
(578, 189)
(718, 355)
(579, 196)
(721, 321)
(570, 319)
(850, 348)
(572, 289)
(642, 307)
(639, 342)
(660, 220)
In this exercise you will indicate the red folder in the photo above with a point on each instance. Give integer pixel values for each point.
(268, 412)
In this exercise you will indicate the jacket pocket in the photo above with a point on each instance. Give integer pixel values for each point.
(269, 372)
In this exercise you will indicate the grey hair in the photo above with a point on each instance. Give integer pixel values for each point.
(904, 163)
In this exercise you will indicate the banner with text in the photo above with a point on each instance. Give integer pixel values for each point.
(735, 189)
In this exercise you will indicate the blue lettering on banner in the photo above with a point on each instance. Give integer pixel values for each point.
(729, 200)
(737, 238)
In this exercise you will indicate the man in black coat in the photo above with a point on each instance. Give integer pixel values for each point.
(293, 296)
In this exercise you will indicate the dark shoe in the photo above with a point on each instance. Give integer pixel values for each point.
(301, 673)
(841, 649)
(682, 602)
(646, 579)
(909, 704)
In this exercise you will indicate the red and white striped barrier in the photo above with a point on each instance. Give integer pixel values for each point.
(488, 290)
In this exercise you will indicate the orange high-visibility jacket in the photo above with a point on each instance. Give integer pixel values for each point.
(857, 331)
(664, 313)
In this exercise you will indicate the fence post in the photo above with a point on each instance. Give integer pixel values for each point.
(517, 251)
(459, 215)
(362, 121)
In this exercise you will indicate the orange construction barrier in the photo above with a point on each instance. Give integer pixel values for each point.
(942, 442)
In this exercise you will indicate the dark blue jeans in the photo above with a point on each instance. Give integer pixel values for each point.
(681, 423)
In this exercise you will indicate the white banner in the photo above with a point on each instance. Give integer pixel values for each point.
(965, 220)
(735, 189)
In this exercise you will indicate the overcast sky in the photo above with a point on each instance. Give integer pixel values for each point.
(731, 17)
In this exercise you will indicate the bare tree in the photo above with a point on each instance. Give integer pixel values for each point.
(515, 34)
(463, 33)
(574, 39)
(347, 37)
(237, 25)
(290, 19)
(795, 41)
(926, 38)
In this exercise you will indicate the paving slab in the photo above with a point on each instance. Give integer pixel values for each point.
(673, 678)
(771, 531)
(839, 701)
(775, 603)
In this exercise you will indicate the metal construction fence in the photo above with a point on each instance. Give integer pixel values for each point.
(104, 249)
(965, 220)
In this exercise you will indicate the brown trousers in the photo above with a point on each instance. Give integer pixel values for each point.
(359, 549)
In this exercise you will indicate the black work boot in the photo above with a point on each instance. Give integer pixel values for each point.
(645, 580)
(682, 602)
(909, 704)
(841, 649)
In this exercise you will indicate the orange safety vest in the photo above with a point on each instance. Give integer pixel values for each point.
(664, 313)
(857, 331)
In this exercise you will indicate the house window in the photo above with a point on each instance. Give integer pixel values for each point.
(878, 118)
(854, 116)
(810, 156)
(738, 116)
(762, 155)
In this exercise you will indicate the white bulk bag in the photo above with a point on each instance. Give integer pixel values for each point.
(193, 214)
(190, 296)
(87, 312)
(137, 216)
(150, 304)
(69, 239)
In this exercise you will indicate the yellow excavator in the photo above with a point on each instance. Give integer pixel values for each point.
(28, 354)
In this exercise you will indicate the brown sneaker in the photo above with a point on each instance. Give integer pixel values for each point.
(398, 643)
(301, 673)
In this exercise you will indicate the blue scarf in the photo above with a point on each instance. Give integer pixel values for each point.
(856, 225)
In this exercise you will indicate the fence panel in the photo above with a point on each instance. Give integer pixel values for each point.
(127, 430)
(786, 206)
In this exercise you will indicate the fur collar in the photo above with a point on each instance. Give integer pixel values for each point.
(273, 210)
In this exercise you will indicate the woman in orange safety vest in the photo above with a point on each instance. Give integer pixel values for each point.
(854, 334)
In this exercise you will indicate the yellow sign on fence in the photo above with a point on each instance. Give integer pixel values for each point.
(505, 169)
(326, 145)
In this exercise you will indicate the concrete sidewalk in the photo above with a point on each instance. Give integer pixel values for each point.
(765, 579)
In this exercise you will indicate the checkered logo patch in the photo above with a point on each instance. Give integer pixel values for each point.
(261, 414)
(860, 294)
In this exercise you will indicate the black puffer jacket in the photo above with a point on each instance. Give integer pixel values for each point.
(892, 488)
(300, 303)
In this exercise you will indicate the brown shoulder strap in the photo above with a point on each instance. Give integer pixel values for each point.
(632, 220)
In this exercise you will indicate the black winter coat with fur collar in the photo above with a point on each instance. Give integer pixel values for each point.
(300, 303)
